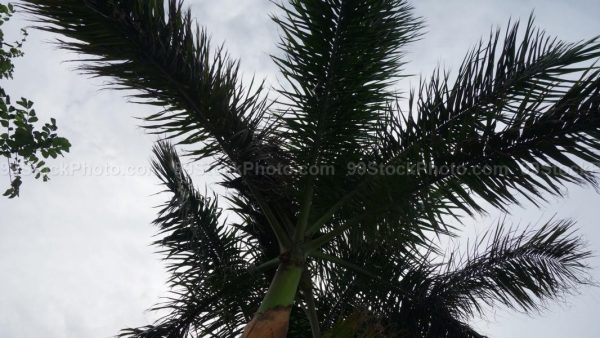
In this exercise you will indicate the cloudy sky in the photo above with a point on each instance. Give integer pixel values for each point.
(75, 259)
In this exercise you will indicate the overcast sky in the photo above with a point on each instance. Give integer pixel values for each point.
(75, 259)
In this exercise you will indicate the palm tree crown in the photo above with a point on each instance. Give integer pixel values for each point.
(351, 250)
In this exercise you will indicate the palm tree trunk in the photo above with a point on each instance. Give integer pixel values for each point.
(273, 316)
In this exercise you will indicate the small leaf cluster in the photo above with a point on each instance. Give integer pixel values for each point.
(21, 143)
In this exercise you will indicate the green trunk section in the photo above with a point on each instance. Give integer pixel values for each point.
(284, 286)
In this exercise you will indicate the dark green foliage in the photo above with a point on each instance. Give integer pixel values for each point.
(25, 145)
(433, 296)
(521, 108)
(153, 48)
(340, 59)
(21, 143)
(211, 265)
(519, 120)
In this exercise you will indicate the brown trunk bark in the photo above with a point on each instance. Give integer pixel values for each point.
(273, 316)
(271, 324)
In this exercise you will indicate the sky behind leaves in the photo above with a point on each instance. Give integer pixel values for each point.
(75, 259)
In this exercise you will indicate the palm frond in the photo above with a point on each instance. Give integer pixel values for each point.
(517, 270)
(154, 49)
(212, 271)
(340, 57)
(521, 119)
(422, 296)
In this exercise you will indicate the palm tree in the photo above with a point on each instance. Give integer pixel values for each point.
(326, 238)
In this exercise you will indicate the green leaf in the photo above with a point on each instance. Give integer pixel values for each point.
(61, 143)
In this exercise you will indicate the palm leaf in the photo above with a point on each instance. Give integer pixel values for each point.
(429, 296)
(524, 110)
(340, 57)
(212, 271)
(521, 119)
(153, 49)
